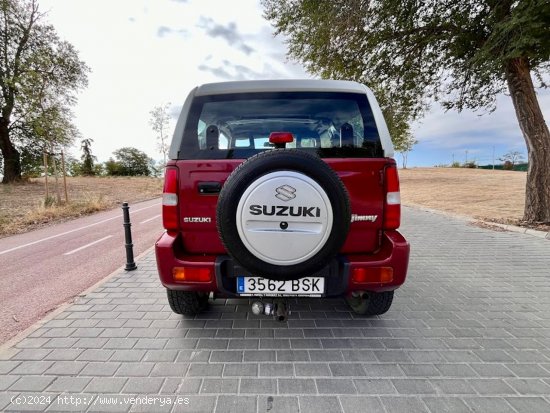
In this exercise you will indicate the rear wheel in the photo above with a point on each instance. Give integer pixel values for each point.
(371, 303)
(187, 302)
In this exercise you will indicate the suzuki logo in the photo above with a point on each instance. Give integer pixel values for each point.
(285, 193)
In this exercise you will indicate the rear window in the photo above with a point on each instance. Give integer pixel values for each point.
(237, 126)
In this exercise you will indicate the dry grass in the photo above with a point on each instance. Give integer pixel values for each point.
(488, 195)
(23, 206)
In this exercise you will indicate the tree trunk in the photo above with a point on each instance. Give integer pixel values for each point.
(537, 137)
(404, 156)
(12, 159)
(56, 178)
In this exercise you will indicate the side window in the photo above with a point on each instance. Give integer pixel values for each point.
(356, 123)
(223, 141)
(201, 134)
(261, 142)
(242, 142)
(308, 143)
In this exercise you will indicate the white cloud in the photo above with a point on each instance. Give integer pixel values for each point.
(452, 130)
(143, 54)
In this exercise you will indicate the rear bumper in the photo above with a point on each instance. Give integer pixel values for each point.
(393, 253)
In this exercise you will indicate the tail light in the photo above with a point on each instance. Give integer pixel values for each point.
(361, 275)
(170, 216)
(196, 274)
(392, 206)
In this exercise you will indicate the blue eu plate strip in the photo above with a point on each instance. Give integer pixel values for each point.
(240, 284)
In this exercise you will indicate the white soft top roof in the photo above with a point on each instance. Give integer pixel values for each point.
(283, 85)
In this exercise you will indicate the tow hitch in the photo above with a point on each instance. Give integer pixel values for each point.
(278, 309)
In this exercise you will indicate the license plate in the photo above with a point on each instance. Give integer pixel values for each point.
(258, 286)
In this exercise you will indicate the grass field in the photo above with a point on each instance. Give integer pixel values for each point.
(22, 206)
(497, 196)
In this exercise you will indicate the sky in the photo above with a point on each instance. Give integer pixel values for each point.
(144, 54)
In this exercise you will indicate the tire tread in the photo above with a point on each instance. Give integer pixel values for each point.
(186, 302)
(375, 304)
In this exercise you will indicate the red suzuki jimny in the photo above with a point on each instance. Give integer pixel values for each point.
(281, 188)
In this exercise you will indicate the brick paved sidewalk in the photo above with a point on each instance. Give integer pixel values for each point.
(469, 331)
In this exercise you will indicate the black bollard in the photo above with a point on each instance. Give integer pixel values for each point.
(130, 264)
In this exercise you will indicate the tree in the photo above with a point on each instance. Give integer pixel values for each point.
(128, 162)
(462, 53)
(32, 161)
(112, 167)
(48, 129)
(159, 122)
(511, 158)
(156, 168)
(87, 157)
(39, 75)
(73, 166)
(404, 147)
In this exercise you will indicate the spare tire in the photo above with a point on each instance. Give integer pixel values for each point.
(283, 214)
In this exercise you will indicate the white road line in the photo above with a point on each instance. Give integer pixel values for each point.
(71, 231)
(150, 219)
(88, 245)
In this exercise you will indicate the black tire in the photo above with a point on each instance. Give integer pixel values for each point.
(371, 303)
(187, 302)
(282, 160)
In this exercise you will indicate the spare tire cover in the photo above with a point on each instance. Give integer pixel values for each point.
(283, 214)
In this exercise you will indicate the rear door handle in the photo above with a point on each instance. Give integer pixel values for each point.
(208, 188)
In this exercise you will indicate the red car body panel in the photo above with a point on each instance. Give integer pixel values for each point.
(394, 253)
(361, 177)
(197, 244)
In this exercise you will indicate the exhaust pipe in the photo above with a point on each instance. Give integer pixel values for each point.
(281, 311)
(278, 309)
(257, 308)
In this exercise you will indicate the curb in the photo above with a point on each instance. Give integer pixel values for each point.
(521, 230)
(511, 228)
(6, 349)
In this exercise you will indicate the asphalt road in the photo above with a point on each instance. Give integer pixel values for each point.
(42, 269)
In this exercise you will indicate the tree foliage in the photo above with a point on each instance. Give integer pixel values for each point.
(75, 167)
(404, 146)
(32, 161)
(87, 157)
(449, 50)
(39, 77)
(128, 162)
(462, 53)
